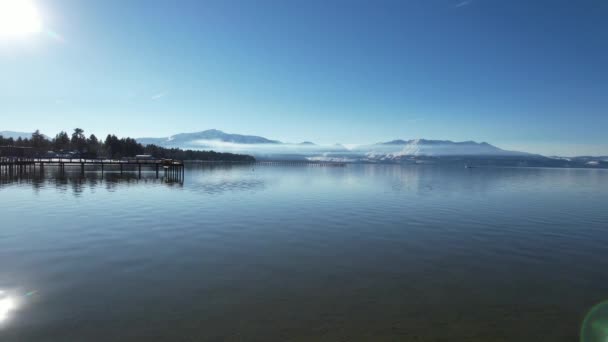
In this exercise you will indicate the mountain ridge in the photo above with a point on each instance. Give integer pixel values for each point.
(393, 149)
(218, 135)
(207, 135)
(427, 147)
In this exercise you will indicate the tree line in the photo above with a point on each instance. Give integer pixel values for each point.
(80, 145)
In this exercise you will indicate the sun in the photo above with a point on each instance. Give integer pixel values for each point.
(19, 18)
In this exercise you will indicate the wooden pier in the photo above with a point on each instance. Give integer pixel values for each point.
(18, 166)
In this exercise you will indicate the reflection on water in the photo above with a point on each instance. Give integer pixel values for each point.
(77, 182)
(271, 253)
(209, 179)
(7, 304)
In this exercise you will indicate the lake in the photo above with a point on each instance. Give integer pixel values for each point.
(303, 253)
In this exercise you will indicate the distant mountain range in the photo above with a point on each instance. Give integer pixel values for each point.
(417, 151)
(200, 138)
(394, 149)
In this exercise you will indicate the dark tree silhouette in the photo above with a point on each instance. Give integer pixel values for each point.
(112, 147)
(61, 141)
(39, 142)
(93, 148)
(78, 141)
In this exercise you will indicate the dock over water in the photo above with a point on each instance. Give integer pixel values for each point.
(19, 166)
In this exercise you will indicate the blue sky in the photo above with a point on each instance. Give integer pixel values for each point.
(530, 75)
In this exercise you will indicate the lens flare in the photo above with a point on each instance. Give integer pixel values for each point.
(18, 18)
(595, 325)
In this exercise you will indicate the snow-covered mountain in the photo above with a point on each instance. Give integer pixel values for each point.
(394, 150)
(397, 149)
(261, 147)
(206, 138)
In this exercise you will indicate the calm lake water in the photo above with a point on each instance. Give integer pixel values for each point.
(292, 253)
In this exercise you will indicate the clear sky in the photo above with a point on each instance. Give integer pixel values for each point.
(531, 75)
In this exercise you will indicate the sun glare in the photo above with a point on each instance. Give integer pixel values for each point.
(6, 305)
(19, 18)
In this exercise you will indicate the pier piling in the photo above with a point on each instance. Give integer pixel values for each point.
(27, 166)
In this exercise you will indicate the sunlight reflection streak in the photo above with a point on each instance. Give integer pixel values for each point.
(7, 304)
